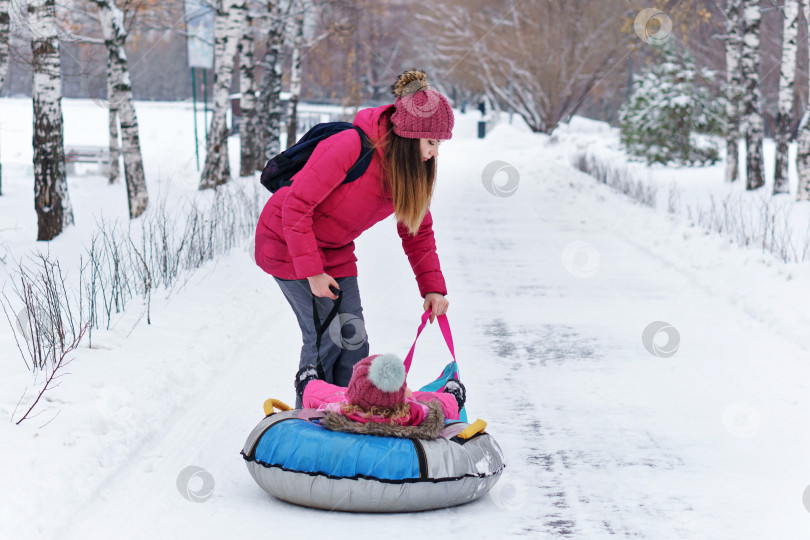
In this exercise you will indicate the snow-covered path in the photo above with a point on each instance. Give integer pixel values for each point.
(550, 289)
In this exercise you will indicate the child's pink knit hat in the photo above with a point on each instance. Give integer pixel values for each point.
(378, 380)
(419, 111)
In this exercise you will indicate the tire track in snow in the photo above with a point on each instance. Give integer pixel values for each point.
(557, 453)
(548, 510)
(551, 452)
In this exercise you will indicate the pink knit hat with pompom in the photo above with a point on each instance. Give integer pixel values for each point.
(419, 111)
(378, 380)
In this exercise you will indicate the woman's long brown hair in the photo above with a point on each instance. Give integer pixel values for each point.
(410, 179)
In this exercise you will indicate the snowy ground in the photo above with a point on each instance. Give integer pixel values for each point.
(551, 289)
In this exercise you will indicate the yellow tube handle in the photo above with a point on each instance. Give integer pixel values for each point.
(271, 403)
(476, 427)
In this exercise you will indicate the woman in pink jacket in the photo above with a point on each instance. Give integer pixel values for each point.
(306, 232)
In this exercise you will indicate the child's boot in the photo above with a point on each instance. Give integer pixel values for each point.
(458, 391)
(302, 378)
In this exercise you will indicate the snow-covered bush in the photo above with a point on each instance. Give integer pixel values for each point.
(669, 107)
(617, 176)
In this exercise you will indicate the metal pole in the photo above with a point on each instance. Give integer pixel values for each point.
(194, 101)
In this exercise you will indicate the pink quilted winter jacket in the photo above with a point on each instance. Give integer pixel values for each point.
(310, 227)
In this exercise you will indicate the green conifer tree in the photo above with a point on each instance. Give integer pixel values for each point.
(671, 111)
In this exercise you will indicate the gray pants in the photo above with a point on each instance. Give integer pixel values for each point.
(344, 343)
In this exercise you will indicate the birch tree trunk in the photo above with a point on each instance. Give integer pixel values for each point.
(51, 199)
(786, 79)
(295, 73)
(115, 35)
(270, 90)
(803, 143)
(5, 28)
(752, 97)
(5, 21)
(228, 23)
(803, 157)
(115, 150)
(247, 103)
(734, 88)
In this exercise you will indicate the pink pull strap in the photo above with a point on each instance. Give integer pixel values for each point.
(445, 328)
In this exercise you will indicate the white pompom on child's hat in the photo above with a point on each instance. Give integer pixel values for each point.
(387, 372)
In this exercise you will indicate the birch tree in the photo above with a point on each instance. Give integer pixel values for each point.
(51, 199)
(115, 35)
(228, 23)
(5, 30)
(803, 143)
(784, 120)
(803, 157)
(295, 72)
(269, 104)
(733, 87)
(751, 101)
(114, 172)
(4, 34)
(247, 101)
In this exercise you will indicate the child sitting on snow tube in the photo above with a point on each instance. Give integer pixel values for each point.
(379, 402)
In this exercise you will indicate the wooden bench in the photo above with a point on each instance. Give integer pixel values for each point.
(87, 154)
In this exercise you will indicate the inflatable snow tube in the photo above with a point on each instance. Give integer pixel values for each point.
(295, 459)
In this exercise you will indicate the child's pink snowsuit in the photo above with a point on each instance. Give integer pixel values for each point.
(320, 394)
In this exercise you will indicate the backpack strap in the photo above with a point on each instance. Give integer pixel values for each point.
(363, 160)
(280, 170)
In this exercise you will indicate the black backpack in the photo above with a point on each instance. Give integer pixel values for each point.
(279, 171)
